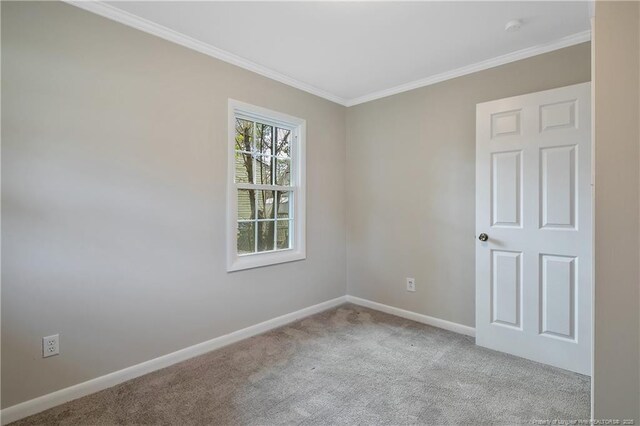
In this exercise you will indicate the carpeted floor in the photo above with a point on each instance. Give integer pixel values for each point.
(349, 365)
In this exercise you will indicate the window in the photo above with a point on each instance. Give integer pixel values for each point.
(266, 187)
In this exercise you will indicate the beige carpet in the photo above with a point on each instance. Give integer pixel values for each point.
(349, 365)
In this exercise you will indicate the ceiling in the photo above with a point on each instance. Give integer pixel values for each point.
(351, 52)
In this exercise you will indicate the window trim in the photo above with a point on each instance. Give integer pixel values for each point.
(297, 251)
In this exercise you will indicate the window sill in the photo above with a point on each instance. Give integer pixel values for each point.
(239, 263)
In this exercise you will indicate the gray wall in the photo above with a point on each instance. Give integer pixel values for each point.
(114, 150)
(411, 184)
(617, 139)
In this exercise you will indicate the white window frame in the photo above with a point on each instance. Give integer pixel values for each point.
(297, 250)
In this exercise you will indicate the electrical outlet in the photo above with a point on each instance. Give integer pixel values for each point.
(50, 345)
(411, 284)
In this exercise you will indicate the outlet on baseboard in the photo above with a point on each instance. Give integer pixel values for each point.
(411, 284)
(50, 345)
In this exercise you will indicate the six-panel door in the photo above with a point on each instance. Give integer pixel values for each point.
(533, 199)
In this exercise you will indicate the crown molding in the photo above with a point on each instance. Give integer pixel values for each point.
(134, 21)
(478, 66)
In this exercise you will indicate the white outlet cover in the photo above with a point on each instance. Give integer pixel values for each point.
(411, 284)
(50, 345)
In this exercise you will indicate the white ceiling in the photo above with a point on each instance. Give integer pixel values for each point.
(351, 52)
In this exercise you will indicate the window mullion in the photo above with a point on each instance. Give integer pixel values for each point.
(253, 155)
(274, 143)
(291, 232)
(276, 207)
(275, 234)
(292, 200)
(293, 165)
(255, 226)
(254, 181)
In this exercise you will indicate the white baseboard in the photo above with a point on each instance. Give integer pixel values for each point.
(36, 405)
(414, 316)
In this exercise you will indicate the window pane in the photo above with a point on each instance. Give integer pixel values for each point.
(266, 235)
(283, 171)
(244, 168)
(263, 174)
(265, 204)
(244, 135)
(282, 203)
(246, 204)
(264, 138)
(282, 239)
(283, 143)
(246, 237)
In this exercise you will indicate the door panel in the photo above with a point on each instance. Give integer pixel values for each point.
(558, 187)
(506, 288)
(558, 116)
(506, 190)
(558, 287)
(505, 124)
(533, 199)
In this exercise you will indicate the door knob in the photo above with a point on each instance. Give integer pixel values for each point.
(483, 237)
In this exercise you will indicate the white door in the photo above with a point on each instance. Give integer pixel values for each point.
(533, 203)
